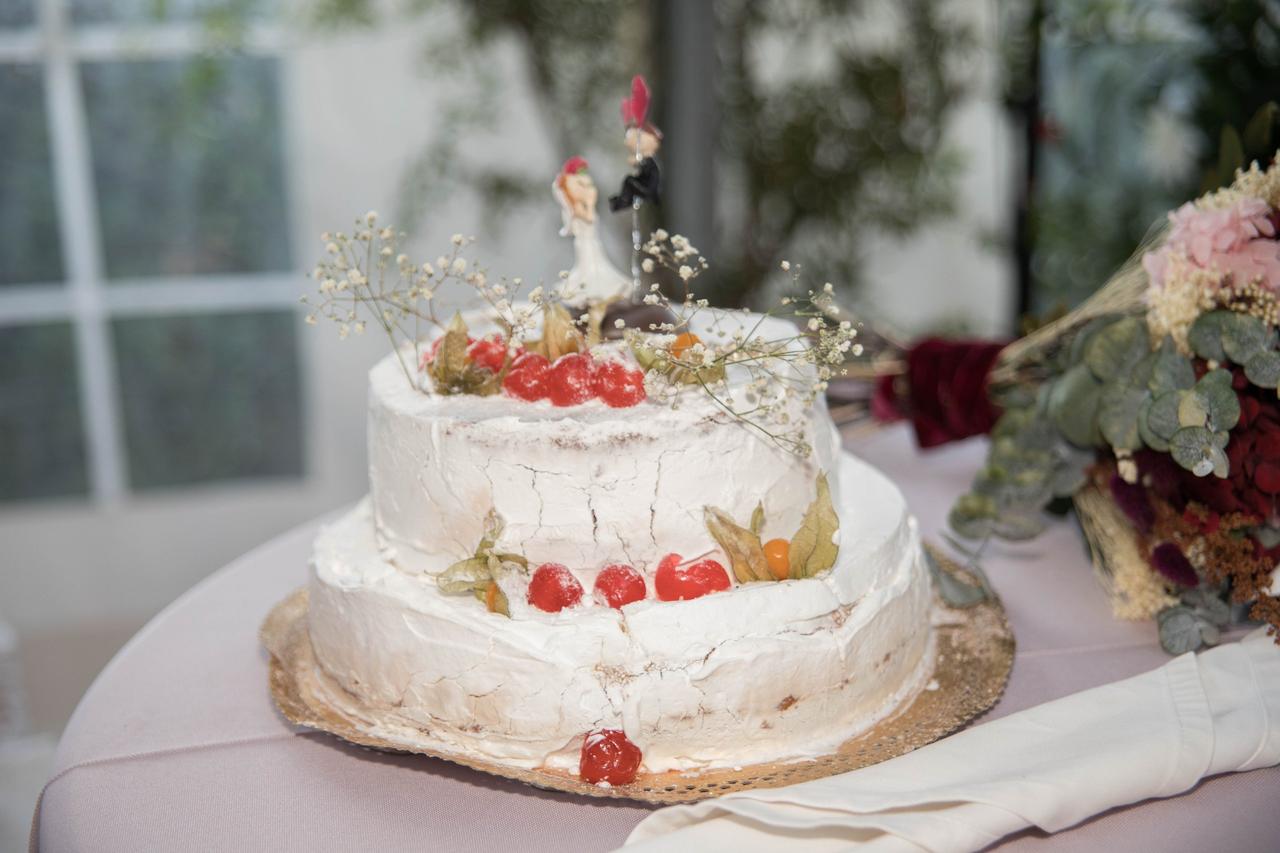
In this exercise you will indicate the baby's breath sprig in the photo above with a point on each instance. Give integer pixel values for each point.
(364, 278)
(784, 375)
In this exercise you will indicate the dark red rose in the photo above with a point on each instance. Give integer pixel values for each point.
(946, 390)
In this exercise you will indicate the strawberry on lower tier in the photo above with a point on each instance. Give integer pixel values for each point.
(553, 588)
(618, 385)
(619, 584)
(609, 756)
(676, 582)
(529, 377)
(571, 379)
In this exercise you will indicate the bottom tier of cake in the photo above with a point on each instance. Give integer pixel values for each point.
(762, 672)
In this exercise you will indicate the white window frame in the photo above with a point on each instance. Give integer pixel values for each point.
(83, 297)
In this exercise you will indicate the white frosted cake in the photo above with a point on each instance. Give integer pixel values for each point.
(743, 670)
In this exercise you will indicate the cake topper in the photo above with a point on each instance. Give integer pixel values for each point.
(643, 141)
(592, 276)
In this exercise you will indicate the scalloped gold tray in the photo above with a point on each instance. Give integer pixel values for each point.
(973, 657)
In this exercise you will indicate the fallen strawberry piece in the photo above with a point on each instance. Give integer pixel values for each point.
(608, 756)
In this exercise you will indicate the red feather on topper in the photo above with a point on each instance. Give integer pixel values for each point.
(635, 109)
(574, 165)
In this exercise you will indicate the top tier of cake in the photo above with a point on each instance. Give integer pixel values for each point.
(582, 485)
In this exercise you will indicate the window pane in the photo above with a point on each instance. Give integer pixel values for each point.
(41, 444)
(155, 11)
(188, 166)
(29, 247)
(209, 397)
(17, 13)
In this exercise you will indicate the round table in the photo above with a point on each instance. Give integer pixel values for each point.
(177, 745)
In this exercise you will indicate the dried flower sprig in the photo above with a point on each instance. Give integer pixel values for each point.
(785, 375)
(364, 278)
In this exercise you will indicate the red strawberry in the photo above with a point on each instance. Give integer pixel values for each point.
(617, 585)
(490, 353)
(553, 588)
(571, 379)
(618, 385)
(608, 756)
(674, 582)
(529, 377)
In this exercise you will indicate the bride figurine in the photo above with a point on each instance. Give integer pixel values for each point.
(592, 276)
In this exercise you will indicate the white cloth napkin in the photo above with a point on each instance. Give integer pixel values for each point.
(1052, 766)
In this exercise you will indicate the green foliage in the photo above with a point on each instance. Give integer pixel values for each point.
(819, 160)
(1240, 338)
(1143, 104)
(1184, 630)
(1028, 465)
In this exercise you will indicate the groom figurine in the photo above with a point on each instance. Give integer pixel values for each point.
(643, 141)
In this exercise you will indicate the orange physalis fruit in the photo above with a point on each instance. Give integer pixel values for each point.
(683, 341)
(777, 553)
(491, 597)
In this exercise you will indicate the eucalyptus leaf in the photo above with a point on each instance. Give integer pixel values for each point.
(1073, 406)
(1244, 336)
(1263, 369)
(1193, 409)
(1221, 403)
(1209, 605)
(955, 592)
(1197, 449)
(1075, 354)
(1118, 410)
(1205, 335)
(1150, 437)
(1162, 415)
(1115, 349)
(1067, 480)
(1182, 630)
(1171, 371)
(813, 548)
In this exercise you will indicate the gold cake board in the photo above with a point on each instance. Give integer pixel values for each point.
(973, 657)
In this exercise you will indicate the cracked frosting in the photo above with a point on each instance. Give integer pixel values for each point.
(583, 485)
(761, 672)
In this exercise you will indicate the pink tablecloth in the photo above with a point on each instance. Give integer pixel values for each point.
(177, 746)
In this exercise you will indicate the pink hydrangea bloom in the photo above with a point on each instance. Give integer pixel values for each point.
(1238, 241)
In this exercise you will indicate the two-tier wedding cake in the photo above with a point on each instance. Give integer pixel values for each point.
(608, 535)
